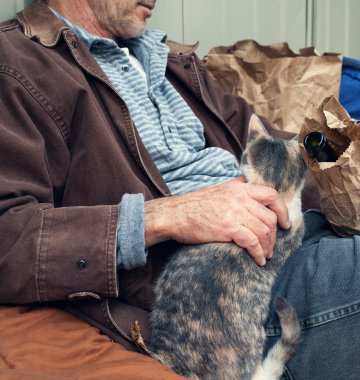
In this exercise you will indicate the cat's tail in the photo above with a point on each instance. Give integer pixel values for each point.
(273, 365)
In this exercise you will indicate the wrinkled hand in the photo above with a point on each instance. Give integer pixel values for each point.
(236, 211)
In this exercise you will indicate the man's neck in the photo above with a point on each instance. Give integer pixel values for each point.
(80, 14)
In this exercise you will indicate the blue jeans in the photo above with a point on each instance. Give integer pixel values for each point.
(322, 282)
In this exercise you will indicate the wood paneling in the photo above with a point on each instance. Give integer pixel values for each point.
(223, 22)
(337, 26)
(329, 25)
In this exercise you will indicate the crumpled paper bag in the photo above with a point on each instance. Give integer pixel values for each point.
(338, 182)
(278, 83)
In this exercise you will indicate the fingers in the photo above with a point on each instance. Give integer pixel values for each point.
(266, 210)
(269, 197)
(264, 225)
(279, 208)
(249, 241)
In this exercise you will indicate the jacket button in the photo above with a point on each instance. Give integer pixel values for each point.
(81, 264)
(187, 66)
(74, 44)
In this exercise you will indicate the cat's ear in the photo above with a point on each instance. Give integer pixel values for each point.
(256, 127)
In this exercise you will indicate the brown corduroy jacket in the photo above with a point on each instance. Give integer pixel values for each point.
(68, 151)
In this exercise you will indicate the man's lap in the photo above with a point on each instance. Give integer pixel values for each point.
(322, 282)
(47, 343)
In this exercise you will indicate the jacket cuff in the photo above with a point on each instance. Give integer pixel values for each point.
(77, 253)
(131, 252)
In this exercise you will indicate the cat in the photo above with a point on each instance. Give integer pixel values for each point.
(212, 300)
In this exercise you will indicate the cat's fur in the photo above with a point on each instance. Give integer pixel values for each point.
(212, 300)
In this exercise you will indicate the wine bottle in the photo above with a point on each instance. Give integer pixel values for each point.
(318, 147)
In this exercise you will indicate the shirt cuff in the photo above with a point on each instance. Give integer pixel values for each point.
(131, 251)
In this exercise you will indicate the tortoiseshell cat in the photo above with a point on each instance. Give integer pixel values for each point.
(212, 300)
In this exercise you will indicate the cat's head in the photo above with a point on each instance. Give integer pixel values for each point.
(274, 162)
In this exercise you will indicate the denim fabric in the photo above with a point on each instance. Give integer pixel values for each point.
(322, 282)
(131, 251)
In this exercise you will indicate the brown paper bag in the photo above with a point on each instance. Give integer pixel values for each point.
(278, 83)
(338, 182)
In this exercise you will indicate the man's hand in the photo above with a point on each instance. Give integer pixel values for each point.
(236, 211)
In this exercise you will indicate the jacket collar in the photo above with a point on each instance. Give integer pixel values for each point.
(39, 23)
(181, 49)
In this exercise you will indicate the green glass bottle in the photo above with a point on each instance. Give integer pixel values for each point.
(318, 147)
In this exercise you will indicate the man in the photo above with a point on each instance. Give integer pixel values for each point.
(100, 125)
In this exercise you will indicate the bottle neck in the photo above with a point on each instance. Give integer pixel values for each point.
(314, 142)
(318, 147)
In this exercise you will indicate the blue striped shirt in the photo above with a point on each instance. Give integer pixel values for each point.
(171, 132)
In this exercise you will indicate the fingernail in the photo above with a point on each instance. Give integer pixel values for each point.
(263, 262)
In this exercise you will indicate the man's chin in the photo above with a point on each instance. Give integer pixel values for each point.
(132, 32)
